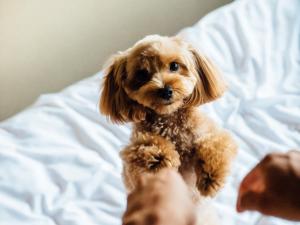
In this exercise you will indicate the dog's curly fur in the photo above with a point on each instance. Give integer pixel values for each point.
(169, 131)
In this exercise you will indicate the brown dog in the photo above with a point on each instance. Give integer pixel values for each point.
(158, 84)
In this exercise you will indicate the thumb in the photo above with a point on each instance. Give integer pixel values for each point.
(251, 201)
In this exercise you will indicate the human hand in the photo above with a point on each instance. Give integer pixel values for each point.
(160, 199)
(273, 186)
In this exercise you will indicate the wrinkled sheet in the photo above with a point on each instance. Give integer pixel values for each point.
(59, 159)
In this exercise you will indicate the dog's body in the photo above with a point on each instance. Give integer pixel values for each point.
(186, 140)
(158, 85)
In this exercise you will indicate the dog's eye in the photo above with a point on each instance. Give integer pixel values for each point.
(142, 75)
(174, 66)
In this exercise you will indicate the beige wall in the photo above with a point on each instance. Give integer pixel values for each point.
(48, 44)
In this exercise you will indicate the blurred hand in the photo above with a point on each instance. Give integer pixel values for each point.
(273, 187)
(160, 199)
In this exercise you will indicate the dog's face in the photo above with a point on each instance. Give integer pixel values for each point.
(158, 73)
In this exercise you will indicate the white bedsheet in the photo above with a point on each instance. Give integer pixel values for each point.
(59, 158)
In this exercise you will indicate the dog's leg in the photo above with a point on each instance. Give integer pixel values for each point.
(147, 154)
(214, 153)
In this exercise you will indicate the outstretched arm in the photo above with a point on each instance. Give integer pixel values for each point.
(160, 199)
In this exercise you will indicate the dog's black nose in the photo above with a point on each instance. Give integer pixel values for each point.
(166, 92)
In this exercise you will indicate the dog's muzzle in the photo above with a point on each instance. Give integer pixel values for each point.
(165, 93)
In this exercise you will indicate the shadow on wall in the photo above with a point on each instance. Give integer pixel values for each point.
(46, 45)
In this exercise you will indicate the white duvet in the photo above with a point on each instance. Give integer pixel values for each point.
(59, 159)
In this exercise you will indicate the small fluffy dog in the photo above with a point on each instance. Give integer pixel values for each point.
(158, 84)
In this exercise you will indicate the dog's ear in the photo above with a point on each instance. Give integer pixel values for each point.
(210, 85)
(114, 102)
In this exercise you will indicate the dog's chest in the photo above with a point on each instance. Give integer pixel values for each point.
(175, 128)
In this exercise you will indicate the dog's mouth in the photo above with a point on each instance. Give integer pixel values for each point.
(166, 107)
(163, 103)
(168, 102)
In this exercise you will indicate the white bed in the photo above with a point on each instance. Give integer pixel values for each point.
(59, 159)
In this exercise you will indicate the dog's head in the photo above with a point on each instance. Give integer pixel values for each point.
(157, 73)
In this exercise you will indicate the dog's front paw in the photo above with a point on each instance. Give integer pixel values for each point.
(148, 154)
(151, 154)
(154, 158)
(209, 182)
(215, 153)
(207, 185)
(158, 161)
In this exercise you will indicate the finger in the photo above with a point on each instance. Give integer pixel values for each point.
(271, 158)
(134, 195)
(135, 200)
(250, 178)
(251, 201)
(134, 207)
(131, 221)
(252, 181)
